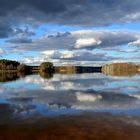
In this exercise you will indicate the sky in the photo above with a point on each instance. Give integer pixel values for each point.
(70, 32)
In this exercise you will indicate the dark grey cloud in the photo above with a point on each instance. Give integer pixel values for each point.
(129, 49)
(20, 40)
(21, 36)
(23, 32)
(5, 30)
(91, 57)
(81, 12)
(80, 56)
(89, 13)
(59, 35)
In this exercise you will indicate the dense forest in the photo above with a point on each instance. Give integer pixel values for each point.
(8, 64)
(120, 69)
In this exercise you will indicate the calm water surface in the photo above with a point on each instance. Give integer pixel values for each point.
(88, 97)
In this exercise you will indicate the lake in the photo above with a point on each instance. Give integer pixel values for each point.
(70, 106)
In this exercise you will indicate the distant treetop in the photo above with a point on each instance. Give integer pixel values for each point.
(47, 67)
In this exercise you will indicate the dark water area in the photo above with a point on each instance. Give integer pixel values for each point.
(84, 126)
(69, 106)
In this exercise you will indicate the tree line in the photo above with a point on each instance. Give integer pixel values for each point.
(16, 66)
(8, 64)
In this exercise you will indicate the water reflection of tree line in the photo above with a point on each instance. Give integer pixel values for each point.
(4, 77)
(12, 76)
(45, 75)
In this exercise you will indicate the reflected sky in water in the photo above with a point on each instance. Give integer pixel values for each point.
(70, 93)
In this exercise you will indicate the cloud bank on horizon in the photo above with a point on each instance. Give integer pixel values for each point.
(66, 31)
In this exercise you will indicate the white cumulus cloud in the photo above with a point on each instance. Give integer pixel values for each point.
(81, 43)
(135, 43)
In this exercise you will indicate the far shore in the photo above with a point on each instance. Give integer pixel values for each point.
(114, 69)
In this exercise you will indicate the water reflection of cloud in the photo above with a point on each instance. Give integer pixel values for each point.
(1, 89)
(87, 97)
(72, 92)
(57, 101)
(137, 95)
(68, 82)
(84, 82)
